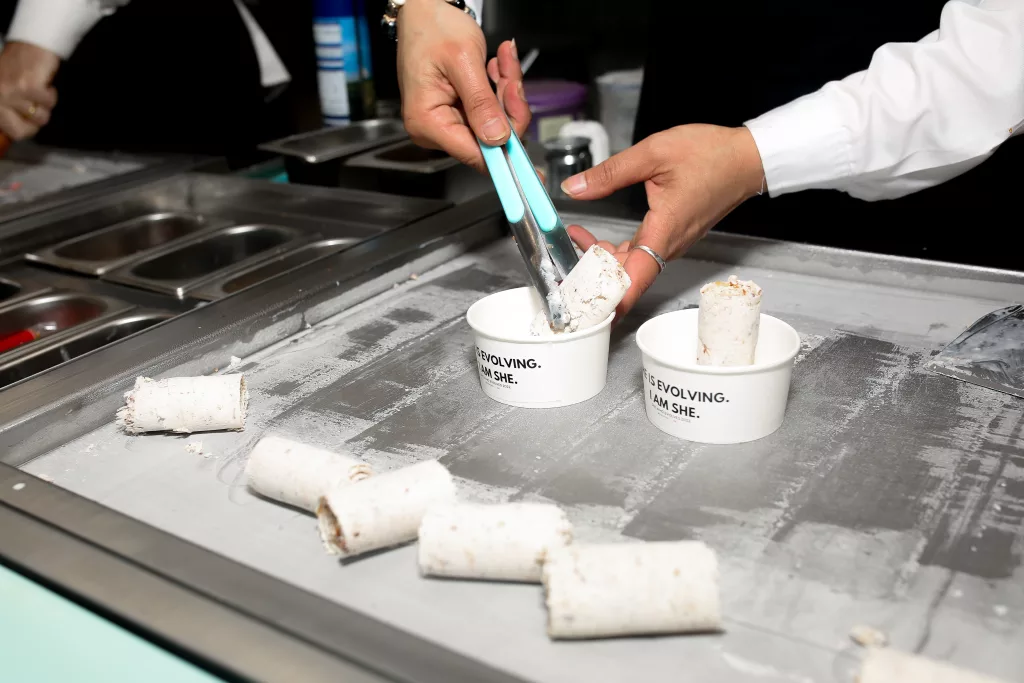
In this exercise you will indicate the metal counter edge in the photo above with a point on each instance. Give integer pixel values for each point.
(234, 621)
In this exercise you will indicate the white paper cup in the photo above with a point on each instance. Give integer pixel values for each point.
(714, 404)
(521, 370)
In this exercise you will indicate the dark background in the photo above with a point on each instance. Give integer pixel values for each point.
(578, 39)
(967, 220)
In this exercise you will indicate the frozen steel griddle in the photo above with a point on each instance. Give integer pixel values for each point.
(891, 497)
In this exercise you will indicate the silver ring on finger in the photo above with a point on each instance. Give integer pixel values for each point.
(650, 252)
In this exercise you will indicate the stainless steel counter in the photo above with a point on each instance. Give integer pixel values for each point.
(891, 497)
(35, 179)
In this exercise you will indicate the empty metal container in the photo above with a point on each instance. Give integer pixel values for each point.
(406, 169)
(50, 355)
(48, 315)
(564, 158)
(224, 201)
(102, 251)
(14, 288)
(8, 289)
(315, 158)
(177, 270)
(236, 282)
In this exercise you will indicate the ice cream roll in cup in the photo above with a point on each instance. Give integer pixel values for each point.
(530, 371)
(715, 403)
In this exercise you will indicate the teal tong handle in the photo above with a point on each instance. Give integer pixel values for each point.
(543, 242)
(504, 183)
(536, 195)
(524, 198)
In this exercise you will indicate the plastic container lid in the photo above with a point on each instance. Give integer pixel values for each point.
(554, 95)
(632, 78)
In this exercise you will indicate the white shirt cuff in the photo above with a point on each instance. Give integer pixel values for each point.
(478, 8)
(803, 145)
(54, 25)
(272, 69)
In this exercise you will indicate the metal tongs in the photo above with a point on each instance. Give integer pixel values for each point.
(543, 241)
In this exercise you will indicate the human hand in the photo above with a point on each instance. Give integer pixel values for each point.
(447, 102)
(694, 176)
(26, 98)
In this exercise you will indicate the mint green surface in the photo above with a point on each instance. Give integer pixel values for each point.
(273, 173)
(45, 638)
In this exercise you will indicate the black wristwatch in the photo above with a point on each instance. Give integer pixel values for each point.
(390, 20)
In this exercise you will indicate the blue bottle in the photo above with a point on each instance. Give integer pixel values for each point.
(341, 33)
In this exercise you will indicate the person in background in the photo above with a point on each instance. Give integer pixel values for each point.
(920, 114)
(187, 76)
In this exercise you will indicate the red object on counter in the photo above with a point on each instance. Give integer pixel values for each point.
(13, 341)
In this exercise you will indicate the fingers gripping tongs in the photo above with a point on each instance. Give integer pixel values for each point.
(538, 230)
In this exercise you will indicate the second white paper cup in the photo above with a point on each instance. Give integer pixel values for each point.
(521, 370)
(712, 404)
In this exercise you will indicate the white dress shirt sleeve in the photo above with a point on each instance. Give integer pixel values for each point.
(272, 69)
(478, 7)
(58, 25)
(920, 114)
